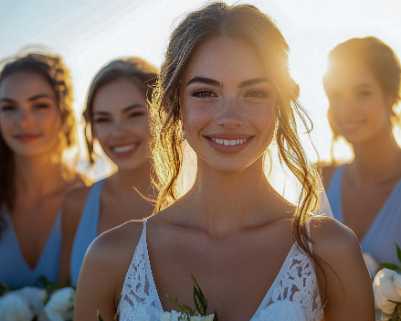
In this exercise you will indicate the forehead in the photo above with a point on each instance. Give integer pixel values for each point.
(25, 84)
(349, 74)
(224, 59)
(117, 95)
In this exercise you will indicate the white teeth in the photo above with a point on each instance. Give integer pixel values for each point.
(123, 149)
(227, 142)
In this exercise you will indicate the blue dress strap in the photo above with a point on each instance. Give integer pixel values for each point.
(334, 194)
(87, 230)
(14, 271)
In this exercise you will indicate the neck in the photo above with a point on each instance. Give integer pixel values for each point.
(228, 201)
(376, 161)
(139, 178)
(37, 176)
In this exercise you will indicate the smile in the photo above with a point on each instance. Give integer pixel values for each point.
(123, 149)
(229, 142)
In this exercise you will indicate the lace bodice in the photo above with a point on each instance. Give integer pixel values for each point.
(293, 296)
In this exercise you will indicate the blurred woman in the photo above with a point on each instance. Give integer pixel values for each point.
(225, 82)
(37, 126)
(117, 117)
(363, 87)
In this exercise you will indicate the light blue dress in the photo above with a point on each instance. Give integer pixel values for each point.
(86, 231)
(385, 230)
(14, 270)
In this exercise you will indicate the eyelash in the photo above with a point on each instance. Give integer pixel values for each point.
(7, 108)
(199, 94)
(260, 94)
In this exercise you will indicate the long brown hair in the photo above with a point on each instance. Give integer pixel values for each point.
(247, 23)
(143, 74)
(53, 70)
(381, 61)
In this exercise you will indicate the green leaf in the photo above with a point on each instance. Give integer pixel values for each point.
(199, 299)
(216, 317)
(4, 288)
(390, 266)
(398, 252)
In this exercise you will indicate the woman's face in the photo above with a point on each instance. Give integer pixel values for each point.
(358, 108)
(227, 104)
(30, 119)
(120, 123)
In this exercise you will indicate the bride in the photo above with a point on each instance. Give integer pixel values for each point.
(225, 88)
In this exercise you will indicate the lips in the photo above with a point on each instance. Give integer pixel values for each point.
(26, 137)
(124, 149)
(229, 143)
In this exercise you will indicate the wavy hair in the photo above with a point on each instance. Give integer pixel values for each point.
(137, 70)
(248, 24)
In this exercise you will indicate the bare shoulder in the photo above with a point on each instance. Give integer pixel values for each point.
(327, 172)
(342, 272)
(73, 206)
(104, 269)
(332, 238)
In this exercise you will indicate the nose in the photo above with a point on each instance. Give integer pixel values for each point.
(118, 129)
(230, 113)
(24, 117)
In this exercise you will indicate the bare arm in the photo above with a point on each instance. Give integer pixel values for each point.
(72, 210)
(349, 289)
(103, 272)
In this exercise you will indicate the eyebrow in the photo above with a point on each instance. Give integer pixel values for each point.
(251, 82)
(362, 85)
(212, 82)
(29, 99)
(124, 110)
(204, 80)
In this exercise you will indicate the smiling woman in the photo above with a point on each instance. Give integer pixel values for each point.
(363, 84)
(225, 83)
(117, 118)
(37, 126)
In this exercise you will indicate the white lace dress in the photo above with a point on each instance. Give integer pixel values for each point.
(293, 296)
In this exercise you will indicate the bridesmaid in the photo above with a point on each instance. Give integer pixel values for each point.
(116, 116)
(363, 88)
(37, 126)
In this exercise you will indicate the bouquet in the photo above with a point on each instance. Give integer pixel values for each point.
(47, 303)
(387, 290)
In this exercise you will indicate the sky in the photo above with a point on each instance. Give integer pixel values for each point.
(90, 33)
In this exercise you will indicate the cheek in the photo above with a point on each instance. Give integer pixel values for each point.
(196, 117)
(101, 133)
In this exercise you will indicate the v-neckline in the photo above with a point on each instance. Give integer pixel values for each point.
(44, 249)
(379, 214)
(262, 304)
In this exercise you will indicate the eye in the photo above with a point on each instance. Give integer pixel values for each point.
(203, 94)
(135, 114)
(364, 93)
(101, 120)
(257, 94)
(41, 106)
(7, 108)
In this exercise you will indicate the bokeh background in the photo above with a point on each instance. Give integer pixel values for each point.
(89, 33)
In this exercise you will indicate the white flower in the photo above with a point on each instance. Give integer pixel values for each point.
(371, 264)
(170, 316)
(208, 318)
(387, 286)
(34, 297)
(61, 305)
(14, 308)
(196, 318)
